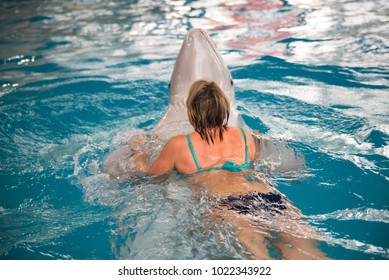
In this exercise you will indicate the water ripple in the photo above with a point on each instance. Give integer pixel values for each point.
(364, 214)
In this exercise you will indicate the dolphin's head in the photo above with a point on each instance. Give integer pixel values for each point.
(198, 58)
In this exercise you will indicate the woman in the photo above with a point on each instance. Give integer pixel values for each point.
(217, 158)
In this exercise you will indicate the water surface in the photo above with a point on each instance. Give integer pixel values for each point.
(78, 78)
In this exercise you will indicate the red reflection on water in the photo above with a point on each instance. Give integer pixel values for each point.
(255, 5)
(257, 28)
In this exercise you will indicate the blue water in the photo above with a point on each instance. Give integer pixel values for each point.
(79, 77)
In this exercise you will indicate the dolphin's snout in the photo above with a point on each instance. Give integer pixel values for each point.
(197, 33)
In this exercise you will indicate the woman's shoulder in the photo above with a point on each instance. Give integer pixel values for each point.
(238, 130)
(249, 139)
(177, 141)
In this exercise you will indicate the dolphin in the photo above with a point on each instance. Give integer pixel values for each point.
(198, 58)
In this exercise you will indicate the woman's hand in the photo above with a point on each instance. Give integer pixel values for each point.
(137, 145)
(163, 164)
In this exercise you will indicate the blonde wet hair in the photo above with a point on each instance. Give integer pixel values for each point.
(208, 109)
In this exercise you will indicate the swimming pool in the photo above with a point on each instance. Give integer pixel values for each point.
(78, 78)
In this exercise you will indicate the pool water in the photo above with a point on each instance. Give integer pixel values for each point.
(80, 77)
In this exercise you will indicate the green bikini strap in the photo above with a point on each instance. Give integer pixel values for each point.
(246, 147)
(193, 152)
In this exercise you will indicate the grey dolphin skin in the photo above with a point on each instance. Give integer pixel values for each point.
(198, 58)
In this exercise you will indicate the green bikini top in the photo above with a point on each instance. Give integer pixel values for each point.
(228, 165)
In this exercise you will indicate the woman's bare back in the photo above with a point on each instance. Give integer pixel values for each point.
(231, 148)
